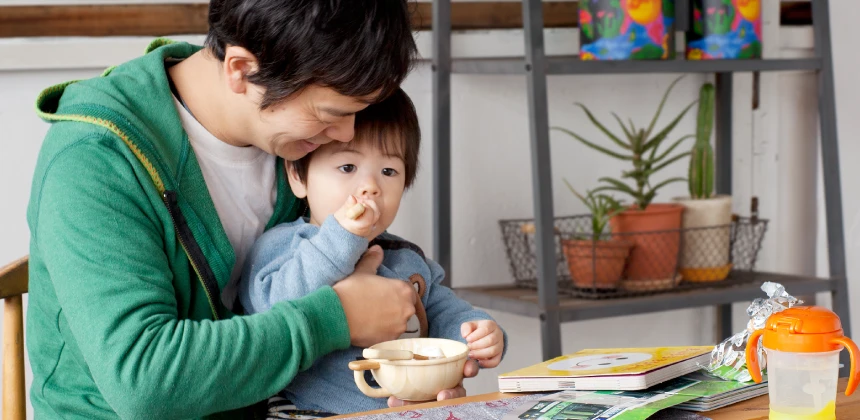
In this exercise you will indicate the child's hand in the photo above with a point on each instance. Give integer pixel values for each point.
(358, 218)
(486, 342)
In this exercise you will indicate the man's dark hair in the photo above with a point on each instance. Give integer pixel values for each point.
(355, 47)
(391, 125)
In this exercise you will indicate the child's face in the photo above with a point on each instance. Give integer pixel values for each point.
(339, 170)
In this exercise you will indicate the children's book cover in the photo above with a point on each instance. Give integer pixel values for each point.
(610, 362)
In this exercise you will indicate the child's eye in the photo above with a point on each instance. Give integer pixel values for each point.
(347, 169)
(389, 172)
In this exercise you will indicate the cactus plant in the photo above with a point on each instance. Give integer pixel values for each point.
(701, 174)
(642, 150)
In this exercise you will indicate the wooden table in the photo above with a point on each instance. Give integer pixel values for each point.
(847, 408)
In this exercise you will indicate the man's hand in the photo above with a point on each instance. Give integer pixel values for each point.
(486, 342)
(376, 308)
(359, 218)
(470, 369)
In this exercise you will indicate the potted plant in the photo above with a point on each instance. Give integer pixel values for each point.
(653, 228)
(708, 217)
(596, 261)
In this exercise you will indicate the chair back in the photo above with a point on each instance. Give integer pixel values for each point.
(14, 279)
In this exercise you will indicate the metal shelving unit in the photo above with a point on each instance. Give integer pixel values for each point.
(561, 65)
(545, 303)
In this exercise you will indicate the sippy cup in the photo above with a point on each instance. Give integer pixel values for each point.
(802, 346)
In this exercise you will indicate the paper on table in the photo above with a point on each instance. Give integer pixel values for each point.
(627, 405)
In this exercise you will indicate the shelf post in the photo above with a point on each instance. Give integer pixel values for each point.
(830, 168)
(535, 67)
(442, 136)
(723, 149)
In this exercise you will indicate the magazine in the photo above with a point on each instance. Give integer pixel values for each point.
(692, 391)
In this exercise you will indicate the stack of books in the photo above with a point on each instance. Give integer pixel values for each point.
(719, 393)
(633, 381)
(623, 369)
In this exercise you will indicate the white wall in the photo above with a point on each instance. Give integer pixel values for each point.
(491, 177)
(845, 14)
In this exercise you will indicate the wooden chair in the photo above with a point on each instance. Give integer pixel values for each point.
(13, 284)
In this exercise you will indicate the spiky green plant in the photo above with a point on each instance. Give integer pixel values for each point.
(641, 149)
(701, 174)
(602, 207)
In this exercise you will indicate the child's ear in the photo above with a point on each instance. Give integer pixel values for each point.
(296, 184)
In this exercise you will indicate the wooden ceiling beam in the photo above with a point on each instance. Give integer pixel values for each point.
(191, 19)
(183, 19)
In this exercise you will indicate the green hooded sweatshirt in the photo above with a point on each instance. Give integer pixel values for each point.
(128, 258)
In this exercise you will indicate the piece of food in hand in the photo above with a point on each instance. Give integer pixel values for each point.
(355, 211)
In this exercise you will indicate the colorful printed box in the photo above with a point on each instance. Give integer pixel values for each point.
(627, 29)
(724, 29)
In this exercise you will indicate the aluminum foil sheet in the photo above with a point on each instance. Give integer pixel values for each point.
(728, 359)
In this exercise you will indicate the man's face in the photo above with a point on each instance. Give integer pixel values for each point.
(315, 116)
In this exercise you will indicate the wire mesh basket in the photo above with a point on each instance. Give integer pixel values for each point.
(638, 263)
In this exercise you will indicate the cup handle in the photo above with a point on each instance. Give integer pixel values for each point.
(753, 366)
(359, 366)
(853, 352)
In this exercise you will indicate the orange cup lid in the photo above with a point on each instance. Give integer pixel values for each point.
(803, 329)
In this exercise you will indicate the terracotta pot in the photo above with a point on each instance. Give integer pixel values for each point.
(705, 255)
(656, 235)
(596, 264)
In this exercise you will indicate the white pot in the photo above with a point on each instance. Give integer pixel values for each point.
(707, 231)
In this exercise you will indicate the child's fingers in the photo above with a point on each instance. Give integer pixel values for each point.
(484, 328)
(374, 216)
(485, 342)
(491, 362)
(349, 202)
(466, 328)
(485, 353)
(350, 211)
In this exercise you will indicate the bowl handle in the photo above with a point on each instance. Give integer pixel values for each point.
(359, 366)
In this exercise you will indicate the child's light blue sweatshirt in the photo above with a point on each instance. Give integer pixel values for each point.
(293, 259)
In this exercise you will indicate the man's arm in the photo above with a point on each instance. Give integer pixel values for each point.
(102, 242)
(293, 260)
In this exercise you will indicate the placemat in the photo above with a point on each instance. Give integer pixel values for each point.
(496, 409)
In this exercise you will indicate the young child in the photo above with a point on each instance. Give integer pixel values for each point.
(353, 190)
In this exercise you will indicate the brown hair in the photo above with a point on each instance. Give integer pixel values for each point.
(391, 125)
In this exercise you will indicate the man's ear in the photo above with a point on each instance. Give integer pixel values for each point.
(299, 188)
(238, 64)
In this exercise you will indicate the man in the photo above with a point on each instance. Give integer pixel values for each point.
(152, 184)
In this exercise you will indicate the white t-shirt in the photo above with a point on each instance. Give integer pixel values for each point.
(243, 187)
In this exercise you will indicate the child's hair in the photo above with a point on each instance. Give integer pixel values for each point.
(392, 126)
(356, 47)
